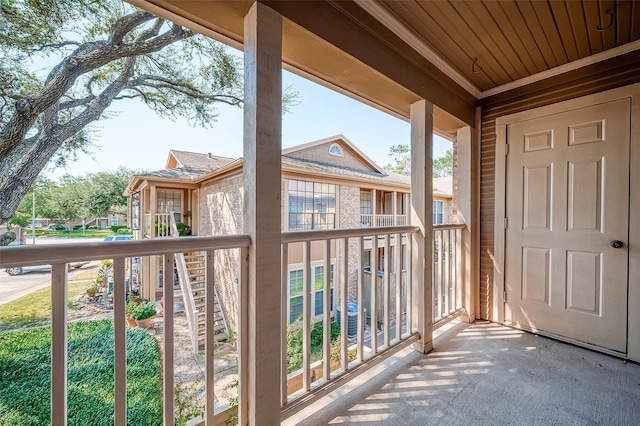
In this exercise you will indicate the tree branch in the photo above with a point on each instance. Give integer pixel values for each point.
(86, 58)
(55, 46)
(125, 24)
(74, 103)
(158, 82)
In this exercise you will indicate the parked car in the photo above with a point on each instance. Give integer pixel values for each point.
(19, 270)
(119, 238)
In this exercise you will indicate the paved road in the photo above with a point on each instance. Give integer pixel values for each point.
(14, 287)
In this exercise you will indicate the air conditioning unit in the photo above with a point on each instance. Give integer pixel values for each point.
(352, 318)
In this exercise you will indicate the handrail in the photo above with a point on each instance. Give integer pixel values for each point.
(324, 234)
(185, 289)
(63, 253)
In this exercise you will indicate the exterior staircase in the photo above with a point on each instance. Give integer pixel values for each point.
(191, 269)
(196, 271)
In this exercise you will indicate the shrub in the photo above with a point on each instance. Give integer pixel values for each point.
(294, 344)
(143, 311)
(116, 228)
(123, 231)
(93, 288)
(183, 229)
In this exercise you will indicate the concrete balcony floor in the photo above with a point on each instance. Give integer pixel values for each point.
(487, 374)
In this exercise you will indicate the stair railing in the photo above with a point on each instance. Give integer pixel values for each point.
(185, 288)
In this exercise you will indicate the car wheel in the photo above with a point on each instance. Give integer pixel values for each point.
(16, 270)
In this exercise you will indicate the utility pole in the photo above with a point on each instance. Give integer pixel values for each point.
(33, 214)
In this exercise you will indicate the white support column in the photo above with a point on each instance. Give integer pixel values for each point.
(468, 199)
(374, 207)
(422, 216)
(262, 195)
(394, 201)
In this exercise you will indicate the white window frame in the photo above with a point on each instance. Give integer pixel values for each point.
(313, 268)
(437, 212)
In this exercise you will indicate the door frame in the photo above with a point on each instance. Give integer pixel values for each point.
(633, 281)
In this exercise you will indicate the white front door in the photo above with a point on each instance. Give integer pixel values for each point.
(567, 206)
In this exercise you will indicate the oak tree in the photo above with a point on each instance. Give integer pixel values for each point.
(65, 63)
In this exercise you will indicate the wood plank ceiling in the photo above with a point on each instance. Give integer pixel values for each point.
(492, 43)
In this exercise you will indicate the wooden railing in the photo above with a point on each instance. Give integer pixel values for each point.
(59, 255)
(382, 220)
(447, 270)
(369, 343)
(185, 289)
(158, 226)
(390, 309)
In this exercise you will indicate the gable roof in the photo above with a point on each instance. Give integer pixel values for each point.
(195, 160)
(311, 158)
(355, 158)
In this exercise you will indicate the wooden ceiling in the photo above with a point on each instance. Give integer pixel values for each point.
(456, 54)
(491, 43)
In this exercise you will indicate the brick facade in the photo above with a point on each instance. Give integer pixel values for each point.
(220, 206)
(349, 217)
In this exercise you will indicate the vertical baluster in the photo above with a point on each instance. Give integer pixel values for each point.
(387, 290)
(284, 323)
(361, 315)
(209, 342)
(59, 344)
(374, 294)
(399, 286)
(243, 355)
(344, 318)
(446, 278)
(409, 286)
(120, 346)
(167, 335)
(306, 316)
(436, 273)
(459, 275)
(326, 311)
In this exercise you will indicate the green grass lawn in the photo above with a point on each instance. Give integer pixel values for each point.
(34, 309)
(88, 233)
(25, 376)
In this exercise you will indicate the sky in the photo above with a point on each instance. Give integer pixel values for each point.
(140, 140)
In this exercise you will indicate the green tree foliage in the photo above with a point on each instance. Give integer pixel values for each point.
(76, 197)
(67, 201)
(64, 63)
(25, 212)
(401, 162)
(401, 159)
(106, 189)
(443, 166)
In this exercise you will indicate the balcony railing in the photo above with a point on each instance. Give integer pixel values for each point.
(58, 255)
(447, 270)
(366, 343)
(390, 308)
(382, 220)
(159, 227)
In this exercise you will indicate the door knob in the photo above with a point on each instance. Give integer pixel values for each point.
(616, 243)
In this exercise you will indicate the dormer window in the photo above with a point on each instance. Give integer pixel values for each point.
(335, 149)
